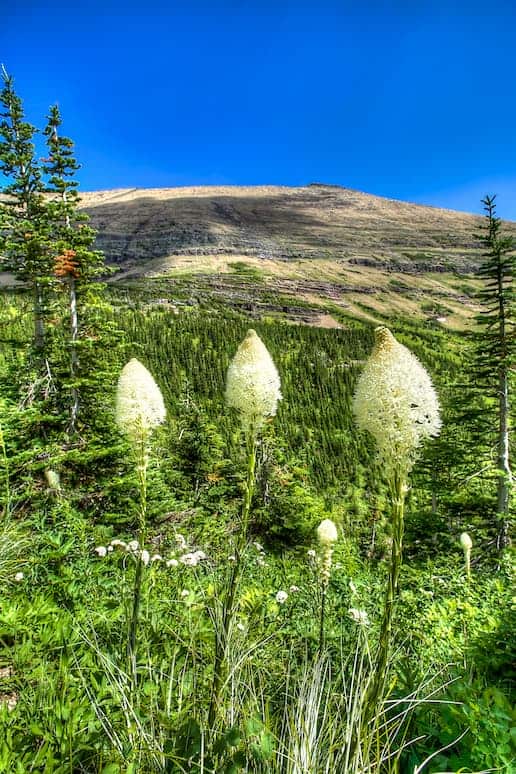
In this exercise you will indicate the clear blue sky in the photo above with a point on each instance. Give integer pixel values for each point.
(412, 99)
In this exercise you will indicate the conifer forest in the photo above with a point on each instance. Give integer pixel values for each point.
(235, 543)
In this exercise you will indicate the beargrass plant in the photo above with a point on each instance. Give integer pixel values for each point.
(327, 535)
(253, 389)
(139, 410)
(394, 402)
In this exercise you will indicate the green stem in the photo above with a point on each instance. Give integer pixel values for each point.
(142, 459)
(374, 693)
(6, 474)
(321, 622)
(222, 634)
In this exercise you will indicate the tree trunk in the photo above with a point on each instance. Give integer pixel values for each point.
(39, 319)
(505, 476)
(74, 360)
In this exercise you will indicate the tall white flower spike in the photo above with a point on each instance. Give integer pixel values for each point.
(253, 384)
(139, 402)
(395, 402)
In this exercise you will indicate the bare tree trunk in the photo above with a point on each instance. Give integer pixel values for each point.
(74, 359)
(39, 319)
(505, 475)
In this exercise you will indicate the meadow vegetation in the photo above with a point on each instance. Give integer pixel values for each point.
(235, 545)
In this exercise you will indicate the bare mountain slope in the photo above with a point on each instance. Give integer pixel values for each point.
(319, 244)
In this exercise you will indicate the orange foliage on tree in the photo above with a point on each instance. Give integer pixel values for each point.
(65, 265)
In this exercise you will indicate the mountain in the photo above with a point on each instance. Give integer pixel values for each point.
(317, 249)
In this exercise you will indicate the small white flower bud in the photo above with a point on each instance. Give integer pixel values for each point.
(281, 597)
(19, 577)
(53, 480)
(172, 563)
(101, 551)
(466, 542)
(145, 557)
(360, 616)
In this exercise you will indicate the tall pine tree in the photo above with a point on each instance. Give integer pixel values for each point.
(24, 237)
(496, 347)
(76, 263)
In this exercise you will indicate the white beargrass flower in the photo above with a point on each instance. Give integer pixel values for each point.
(53, 480)
(19, 577)
(281, 597)
(116, 543)
(156, 558)
(101, 551)
(172, 563)
(466, 542)
(327, 535)
(145, 557)
(327, 532)
(132, 546)
(359, 616)
(253, 384)
(139, 402)
(395, 401)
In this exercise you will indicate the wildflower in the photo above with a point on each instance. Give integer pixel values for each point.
(110, 549)
(181, 542)
(185, 593)
(139, 402)
(253, 383)
(240, 626)
(192, 559)
(172, 563)
(53, 480)
(156, 558)
(352, 587)
(311, 553)
(327, 532)
(261, 561)
(467, 545)
(145, 557)
(281, 597)
(327, 535)
(19, 577)
(259, 548)
(466, 542)
(101, 551)
(132, 546)
(395, 401)
(116, 543)
(294, 589)
(232, 558)
(359, 616)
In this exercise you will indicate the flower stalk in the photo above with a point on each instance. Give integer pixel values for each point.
(253, 390)
(139, 410)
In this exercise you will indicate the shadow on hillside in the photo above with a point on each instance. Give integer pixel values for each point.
(269, 227)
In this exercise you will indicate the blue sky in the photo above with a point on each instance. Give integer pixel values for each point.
(411, 99)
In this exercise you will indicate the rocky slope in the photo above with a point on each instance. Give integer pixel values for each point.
(318, 244)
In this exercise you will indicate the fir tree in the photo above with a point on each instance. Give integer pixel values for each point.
(24, 238)
(496, 346)
(76, 263)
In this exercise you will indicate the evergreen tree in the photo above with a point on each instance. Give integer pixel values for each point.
(76, 264)
(24, 238)
(496, 347)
